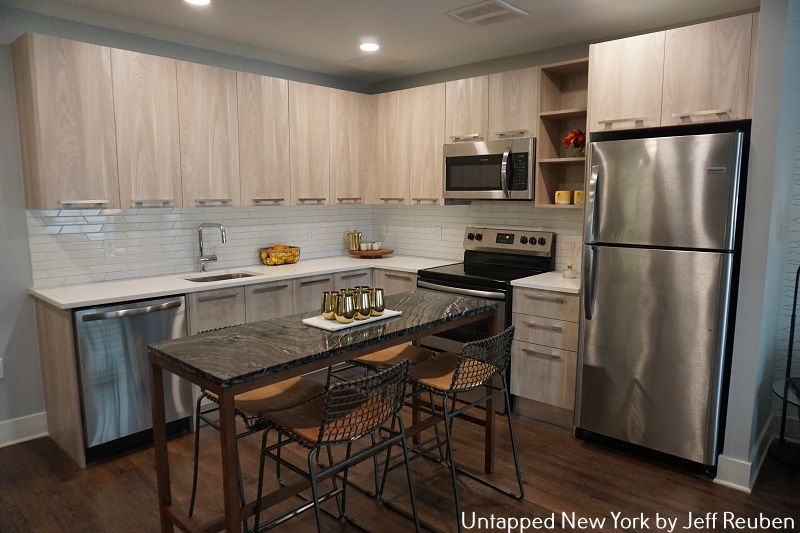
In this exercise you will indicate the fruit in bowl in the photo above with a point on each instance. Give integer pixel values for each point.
(279, 254)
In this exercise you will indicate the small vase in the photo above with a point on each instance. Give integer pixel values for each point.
(576, 151)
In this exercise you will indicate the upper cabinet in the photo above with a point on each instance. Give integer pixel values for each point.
(263, 139)
(309, 135)
(209, 135)
(466, 112)
(625, 80)
(352, 133)
(148, 146)
(393, 146)
(66, 120)
(513, 103)
(706, 69)
(426, 138)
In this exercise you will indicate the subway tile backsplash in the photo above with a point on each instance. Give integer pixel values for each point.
(99, 245)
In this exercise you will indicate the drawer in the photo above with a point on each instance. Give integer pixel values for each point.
(344, 280)
(544, 374)
(548, 304)
(218, 308)
(308, 292)
(546, 331)
(268, 300)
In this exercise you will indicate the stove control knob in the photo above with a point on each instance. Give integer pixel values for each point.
(542, 241)
(532, 240)
(523, 240)
(478, 237)
(471, 236)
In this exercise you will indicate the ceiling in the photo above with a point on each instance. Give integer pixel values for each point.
(416, 36)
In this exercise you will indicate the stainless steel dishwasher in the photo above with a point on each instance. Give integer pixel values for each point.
(115, 387)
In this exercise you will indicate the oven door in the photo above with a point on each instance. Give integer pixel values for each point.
(489, 170)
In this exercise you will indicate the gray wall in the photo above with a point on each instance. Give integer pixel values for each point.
(21, 390)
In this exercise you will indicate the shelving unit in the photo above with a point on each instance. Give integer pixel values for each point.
(562, 107)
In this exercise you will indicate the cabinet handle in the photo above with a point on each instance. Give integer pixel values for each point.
(610, 121)
(356, 275)
(207, 202)
(546, 299)
(542, 355)
(69, 204)
(214, 297)
(467, 137)
(421, 199)
(725, 111)
(547, 327)
(313, 281)
(352, 198)
(152, 202)
(269, 289)
(389, 199)
(268, 201)
(398, 276)
(511, 133)
(311, 199)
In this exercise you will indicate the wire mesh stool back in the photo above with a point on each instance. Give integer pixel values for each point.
(480, 360)
(359, 407)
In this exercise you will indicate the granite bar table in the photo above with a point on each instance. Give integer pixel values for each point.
(238, 359)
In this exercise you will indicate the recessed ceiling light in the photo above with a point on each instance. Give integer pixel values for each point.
(198, 2)
(370, 47)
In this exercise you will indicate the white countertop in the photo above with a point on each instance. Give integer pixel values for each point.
(106, 292)
(550, 281)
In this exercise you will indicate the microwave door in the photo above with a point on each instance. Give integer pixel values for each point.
(476, 176)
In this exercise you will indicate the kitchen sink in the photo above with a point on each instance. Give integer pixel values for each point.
(221, 277)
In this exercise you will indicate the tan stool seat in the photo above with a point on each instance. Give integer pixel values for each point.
(395, 354)
(278, 396)
(437, 372)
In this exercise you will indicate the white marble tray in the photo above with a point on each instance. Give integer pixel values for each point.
(332, 325)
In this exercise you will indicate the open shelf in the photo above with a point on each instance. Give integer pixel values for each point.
(562, 161)
(563, 113)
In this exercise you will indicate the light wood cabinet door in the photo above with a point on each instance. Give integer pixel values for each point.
(148, 145)
(513, 103)
(308, 292)
(268, 300)
(218, 308)
(544, 374)
(351, 122)
(426, 126)
(394, 281)
(625, 82)
(393, 146)
(706, 69)
(263, 114)
(548, 304)
(546, 331)
(209, 135)
(467, 109)
(309, 136)
(751, 75)
(353, 278)
(66, 120)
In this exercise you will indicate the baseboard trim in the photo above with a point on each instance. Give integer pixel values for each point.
(742, 475)
(22, 429)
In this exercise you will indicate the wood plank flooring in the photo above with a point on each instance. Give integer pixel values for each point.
(42, 491)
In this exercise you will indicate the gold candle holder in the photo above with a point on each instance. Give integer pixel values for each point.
(328, 306)
(376, 302)
(363, 305)
(345, 307)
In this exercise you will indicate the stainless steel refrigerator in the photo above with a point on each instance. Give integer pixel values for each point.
(659, 253)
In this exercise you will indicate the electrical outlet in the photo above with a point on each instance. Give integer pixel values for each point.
(109, 248)
(2, 370)
(309, 234)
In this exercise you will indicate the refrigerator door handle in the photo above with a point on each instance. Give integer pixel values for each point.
(592, 213)
(589, 281)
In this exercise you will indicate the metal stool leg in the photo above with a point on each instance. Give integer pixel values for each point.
(436, 429)
(344, 481)
(339, 502)
(448, 429)
(375, 466)
(314, 489)
(513, 440)
(408, 473)
(196, 454)
(260, 490)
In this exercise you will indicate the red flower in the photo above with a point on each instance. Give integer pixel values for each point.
(576, 138)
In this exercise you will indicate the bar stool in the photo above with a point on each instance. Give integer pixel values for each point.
(346, 413)
(447, 375)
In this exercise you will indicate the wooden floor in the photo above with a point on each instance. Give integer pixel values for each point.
(41, 490)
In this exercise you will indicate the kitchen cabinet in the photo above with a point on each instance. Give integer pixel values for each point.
(467, 109)
(625, 82)
(751, 75)
(214, 309)
(308, 292)
(65, 105)
(394, 281)
(352, 133)
(209, 138)
(268, 300)
(544, 374)
(353, 278)
(146, 116)
(309, 136)
(393, 146)
(513, 103)
(706, 68)
(263, 118)
(426, 138)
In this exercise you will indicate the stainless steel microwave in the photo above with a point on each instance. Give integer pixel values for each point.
(490, 170)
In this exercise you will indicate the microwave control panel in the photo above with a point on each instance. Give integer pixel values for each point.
(519, 166)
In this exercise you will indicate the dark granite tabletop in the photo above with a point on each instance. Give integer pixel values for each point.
(238, 354)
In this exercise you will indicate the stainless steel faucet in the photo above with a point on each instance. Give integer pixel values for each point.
(204, 259)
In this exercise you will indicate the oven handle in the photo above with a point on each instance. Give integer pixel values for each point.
(489, 295)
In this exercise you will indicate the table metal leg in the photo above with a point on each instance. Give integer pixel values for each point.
(230, 454)
(160, 445)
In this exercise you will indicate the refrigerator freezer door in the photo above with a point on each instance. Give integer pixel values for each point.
(676, 192)
(652, 352)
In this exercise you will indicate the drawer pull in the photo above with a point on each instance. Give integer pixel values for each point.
(356, 275)
(152, 202)
(267, 201)
(313, 281)
(546, 299)
(212, 298)
(511, 133)
(609, 121)
(70, 204)
(546, 327)
(467, 137)
(726, 111)
(388, 199)
(349, 198)
(318, 200)
(542, 355)
(269, 289)
(205, 202)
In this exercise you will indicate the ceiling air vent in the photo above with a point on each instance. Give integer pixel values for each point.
(487, 12)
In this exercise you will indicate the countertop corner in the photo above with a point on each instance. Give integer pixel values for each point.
(550, 281)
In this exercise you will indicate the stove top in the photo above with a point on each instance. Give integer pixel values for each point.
(494, 276)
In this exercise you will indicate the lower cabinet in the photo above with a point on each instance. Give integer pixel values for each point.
(394, 281)
(544, 374)
(308, 292)
(269, 300)
(215, 309)
(353, 278)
